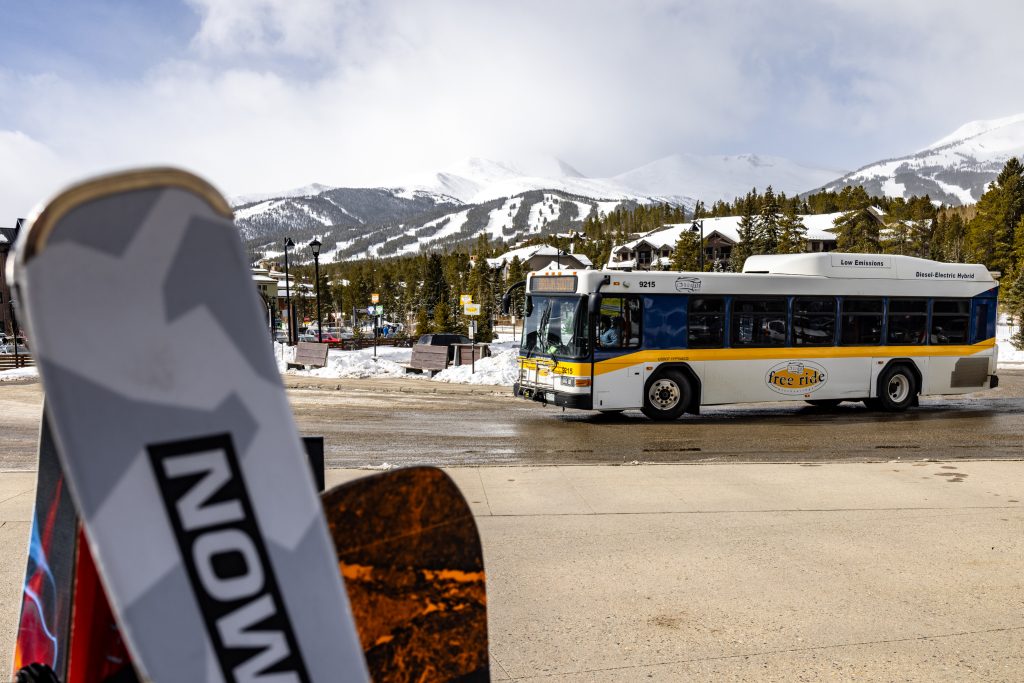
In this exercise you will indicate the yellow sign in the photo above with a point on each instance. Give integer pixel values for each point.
(375, 298)
(471, 309)
(796, 377)
(465, 299)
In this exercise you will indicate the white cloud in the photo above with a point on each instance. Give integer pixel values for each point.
(26, 168)
(277, 93)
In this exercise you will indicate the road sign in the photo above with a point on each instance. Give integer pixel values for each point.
(471, 309)
(375, 298)
(465, 299)
(375, 310)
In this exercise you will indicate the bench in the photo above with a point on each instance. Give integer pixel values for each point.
(464, 353)
(429, 358)
(309, 354)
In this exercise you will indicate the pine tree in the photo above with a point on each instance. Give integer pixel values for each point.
(767, 230)
(857, 232)
(993, 236)
(792, 231)
(443, 320)
(516, 273)
(746, 229)
(686, 255)
(424, 323)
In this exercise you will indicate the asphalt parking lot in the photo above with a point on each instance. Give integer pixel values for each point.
(769, 542)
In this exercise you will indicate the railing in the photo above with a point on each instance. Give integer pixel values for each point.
(367, 342)
(8, 361)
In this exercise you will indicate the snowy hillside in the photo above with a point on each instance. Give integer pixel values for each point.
(505, 200)
(711, 178)
(478, 180)
(354, 223)
(954, 170)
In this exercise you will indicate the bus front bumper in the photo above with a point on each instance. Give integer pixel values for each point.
(558, 398)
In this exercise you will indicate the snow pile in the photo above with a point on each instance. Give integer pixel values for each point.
(283, 354)
(499, 369)
(1009, 357)
(18, 373)
(357, 364)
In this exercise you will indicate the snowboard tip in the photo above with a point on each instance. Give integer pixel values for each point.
(46, 215)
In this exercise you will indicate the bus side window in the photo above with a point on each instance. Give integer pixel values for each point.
(908, 321)
(814, 321)
(705, 328)
(983, 328)
(619, 322)
(861, 322)
(950, 321)
(759, 322)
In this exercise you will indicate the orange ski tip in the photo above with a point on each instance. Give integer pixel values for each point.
(45, 216)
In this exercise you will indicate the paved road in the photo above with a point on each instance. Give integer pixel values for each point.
(372, 422)
(904, 570)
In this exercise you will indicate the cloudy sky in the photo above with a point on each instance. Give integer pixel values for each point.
(263, 95)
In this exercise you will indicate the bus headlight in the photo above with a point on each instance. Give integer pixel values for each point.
(567, 381)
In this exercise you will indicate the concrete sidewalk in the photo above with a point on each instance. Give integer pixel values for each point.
(880, 571)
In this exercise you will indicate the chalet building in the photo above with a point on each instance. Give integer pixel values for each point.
(538, 257)
(7, 238)
(653, 251)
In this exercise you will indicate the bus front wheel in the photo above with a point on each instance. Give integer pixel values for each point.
(897, 388)
(666, 395)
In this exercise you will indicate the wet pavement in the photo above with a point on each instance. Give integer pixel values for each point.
(370, 422)
(892, 551)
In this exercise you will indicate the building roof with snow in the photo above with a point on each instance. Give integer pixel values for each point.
(536, 251)
(819, 227)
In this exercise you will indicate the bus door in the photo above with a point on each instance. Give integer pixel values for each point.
(618, 371)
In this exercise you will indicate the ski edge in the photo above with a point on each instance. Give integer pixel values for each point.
(43, 220)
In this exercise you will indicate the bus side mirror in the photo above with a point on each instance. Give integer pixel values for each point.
(506, 299)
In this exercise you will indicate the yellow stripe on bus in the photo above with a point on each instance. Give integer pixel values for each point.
(776, 353)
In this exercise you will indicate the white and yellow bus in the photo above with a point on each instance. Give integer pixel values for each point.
(822, 328)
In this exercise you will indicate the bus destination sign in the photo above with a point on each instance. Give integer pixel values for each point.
(553, 283)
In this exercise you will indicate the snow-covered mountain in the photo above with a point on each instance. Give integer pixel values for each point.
(506, 200)
(478, 180)
(711, 178)
(954, 170)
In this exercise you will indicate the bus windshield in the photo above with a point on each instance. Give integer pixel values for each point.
(556, 326)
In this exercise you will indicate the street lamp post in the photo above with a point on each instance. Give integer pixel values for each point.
(314, 247)
(288, 292)
(694, 227)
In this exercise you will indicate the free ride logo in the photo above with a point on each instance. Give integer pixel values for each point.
(795, 377)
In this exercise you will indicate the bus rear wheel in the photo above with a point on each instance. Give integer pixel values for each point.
(897, 388)
(666, 395)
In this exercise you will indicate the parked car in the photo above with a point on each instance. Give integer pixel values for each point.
(307, 337)
(444, 340)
